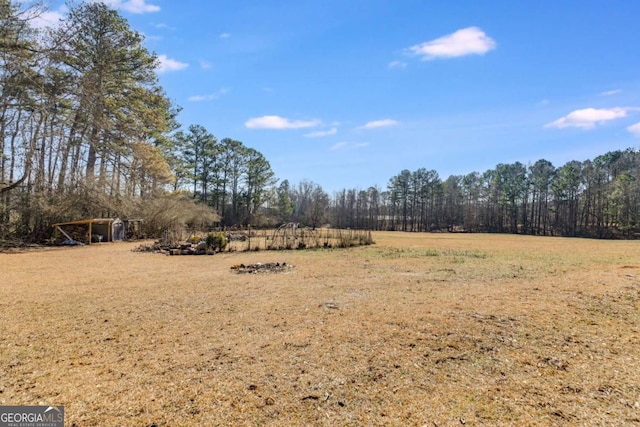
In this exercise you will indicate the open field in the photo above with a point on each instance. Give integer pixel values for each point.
(418, 329)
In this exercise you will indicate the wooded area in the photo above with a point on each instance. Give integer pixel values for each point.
(88, 132)
(594, 198)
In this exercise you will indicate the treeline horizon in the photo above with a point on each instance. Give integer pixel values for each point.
(87, 131)
(598, 198)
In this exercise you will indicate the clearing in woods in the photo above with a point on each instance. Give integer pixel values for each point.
(418, 329)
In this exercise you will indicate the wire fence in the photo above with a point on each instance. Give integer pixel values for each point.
(284, 238)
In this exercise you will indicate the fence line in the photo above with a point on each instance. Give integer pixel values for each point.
(283, 238)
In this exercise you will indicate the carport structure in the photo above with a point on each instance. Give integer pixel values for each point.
(91, 230)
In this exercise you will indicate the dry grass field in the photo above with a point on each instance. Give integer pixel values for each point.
(416, 330)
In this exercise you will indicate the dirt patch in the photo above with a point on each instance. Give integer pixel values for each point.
(419, 329)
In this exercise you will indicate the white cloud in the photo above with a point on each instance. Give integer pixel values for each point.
(168, 64)
(132, 6)
(634, 129)
(209, 97)
(588, 118)
(39, 17)
(224, 35)
(611, 92)
(468, 41)
(379, 124)
(348, 146)
(46, 19)
(277, 122)
(205, 65)
(321, 133)
(164, 26)
(397, 64)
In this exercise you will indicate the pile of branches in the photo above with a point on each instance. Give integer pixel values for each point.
(173, 249)
(208, 244)
(269, 267)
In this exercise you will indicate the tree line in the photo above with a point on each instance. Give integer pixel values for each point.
(86, 130)
(82, 117)
(594, 198)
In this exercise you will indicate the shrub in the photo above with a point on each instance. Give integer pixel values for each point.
(216, 241)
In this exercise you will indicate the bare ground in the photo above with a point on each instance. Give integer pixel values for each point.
(417, 330)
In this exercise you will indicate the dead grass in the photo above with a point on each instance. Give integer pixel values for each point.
(419, 329)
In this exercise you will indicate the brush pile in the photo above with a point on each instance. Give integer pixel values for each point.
(269, 267)
(176, 249)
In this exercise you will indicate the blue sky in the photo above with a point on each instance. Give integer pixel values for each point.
(348, 93)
